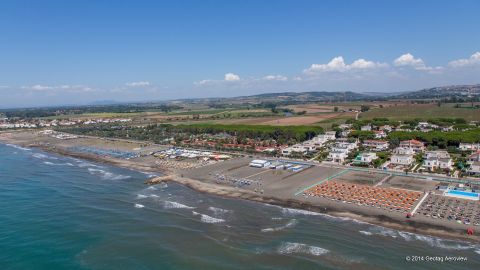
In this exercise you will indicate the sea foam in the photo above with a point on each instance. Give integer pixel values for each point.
(18, 147)
(175, 205)
(106, 175)
(291, 248)
(290, 224)
(432, 241)
(208, 219)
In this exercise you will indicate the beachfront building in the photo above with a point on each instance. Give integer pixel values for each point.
(469, 146)
(376, 145)
(434, 160)
(415, 145)
(365, 158)
(402, 156)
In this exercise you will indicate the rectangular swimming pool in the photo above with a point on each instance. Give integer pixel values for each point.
(460, 193)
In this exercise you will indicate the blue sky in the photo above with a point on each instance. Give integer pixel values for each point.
(64, 52)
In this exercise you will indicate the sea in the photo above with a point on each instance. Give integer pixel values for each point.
(63, 213)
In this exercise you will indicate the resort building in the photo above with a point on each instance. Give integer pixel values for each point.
(376, 145)
(416, 145)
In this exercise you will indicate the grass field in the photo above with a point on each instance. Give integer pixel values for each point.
(422, 111)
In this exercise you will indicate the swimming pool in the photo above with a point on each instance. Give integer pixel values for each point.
(464, 194)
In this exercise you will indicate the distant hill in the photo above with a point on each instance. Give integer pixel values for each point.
(286, 98)
(442, 92)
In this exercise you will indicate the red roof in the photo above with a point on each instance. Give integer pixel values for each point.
(414, 142)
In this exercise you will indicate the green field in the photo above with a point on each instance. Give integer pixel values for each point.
(422, 111)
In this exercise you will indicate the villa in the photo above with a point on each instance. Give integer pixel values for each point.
(376, 145)
(416, 145)
(402, 156)
(365, 158)
(437, 160)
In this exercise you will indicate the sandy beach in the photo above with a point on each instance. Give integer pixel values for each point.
(280, 193)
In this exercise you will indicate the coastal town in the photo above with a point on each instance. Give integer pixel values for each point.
(369, 174)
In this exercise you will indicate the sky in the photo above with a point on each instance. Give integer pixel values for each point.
(79, 52)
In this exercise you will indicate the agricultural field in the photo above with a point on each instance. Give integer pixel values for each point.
(422, 111)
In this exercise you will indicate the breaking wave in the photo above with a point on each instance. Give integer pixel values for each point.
(42, 156)
(289, 224)
(18, 147)
(57, 164)
(137, 205)
(175, 205)
(291, 248)
(294, 212)
(208, 219)
(106, 175)
(218, 211)
(432, 241)
(141, 196)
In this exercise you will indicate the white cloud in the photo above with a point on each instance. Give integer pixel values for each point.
(473, 60)
(338, 64)
(275, 78)
(38, 87)
(138, 84)
(409, 60)
(66, 87)
(231, 77)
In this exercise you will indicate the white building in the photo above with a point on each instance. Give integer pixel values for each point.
(416, 145)
(365, 158)
(366, 128)
(475, 157)
(259, 163)
(469, 146)
(297, 148)
(437, 160)
(402, 156)
(376, 145)
(474, 168)
(379, 134)
(337, 156)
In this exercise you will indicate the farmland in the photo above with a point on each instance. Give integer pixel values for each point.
(422, 111)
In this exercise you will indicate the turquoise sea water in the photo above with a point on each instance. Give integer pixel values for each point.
(63, 213)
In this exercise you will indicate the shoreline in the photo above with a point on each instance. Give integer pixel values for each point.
(382, 220)
(335, 210)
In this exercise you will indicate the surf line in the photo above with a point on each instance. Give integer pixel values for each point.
(320, 182)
